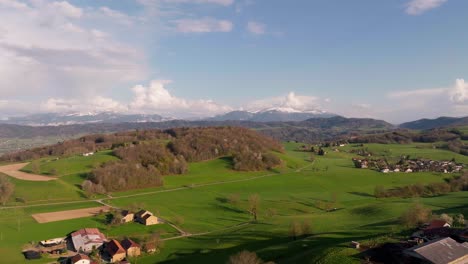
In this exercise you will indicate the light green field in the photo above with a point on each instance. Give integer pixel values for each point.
(200, 207)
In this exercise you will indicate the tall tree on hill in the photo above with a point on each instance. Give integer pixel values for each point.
(254, 204)
(6, 189)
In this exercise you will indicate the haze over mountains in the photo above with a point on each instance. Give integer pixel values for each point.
(436, 123)
(268, 115)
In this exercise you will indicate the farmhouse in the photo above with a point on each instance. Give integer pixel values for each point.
(85, 240)
(132, 248)
(115, 251)
(127, 217)
(437, 223)
(441, 251)
(146, 218)
(53, 246)
(80, 259)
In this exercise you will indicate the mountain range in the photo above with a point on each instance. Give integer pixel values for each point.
(441, 122)
(55, 119)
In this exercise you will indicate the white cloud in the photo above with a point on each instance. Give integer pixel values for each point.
(66, 9)
(56, 48)
(428, 103)
(157, 99)
(290, 102)
(417, 93)
(418, 7)
(92, 104)
(203, 25)
(217, 2)
(256, 28)
(459, 93)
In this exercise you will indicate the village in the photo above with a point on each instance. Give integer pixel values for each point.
(89, 245)
(408, 165)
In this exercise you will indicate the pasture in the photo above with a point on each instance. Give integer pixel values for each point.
(211, 202)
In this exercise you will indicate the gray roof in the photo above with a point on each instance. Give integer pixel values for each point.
(442, 251)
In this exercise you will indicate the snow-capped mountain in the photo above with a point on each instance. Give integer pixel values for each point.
(279, 114)
(55, 119)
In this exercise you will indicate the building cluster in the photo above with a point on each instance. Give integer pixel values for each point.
(435, 243)
(408, 166)
(80, 245)
(143, 217)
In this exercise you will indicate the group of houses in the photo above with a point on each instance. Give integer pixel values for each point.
(408, 166)
(143, 217)
(83, 243)
(435, 243)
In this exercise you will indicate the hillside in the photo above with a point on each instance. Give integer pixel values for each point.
(310, 131)
(424, 124)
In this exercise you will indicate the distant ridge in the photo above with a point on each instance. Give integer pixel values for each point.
(271, 115)
(55, 119)
(441, 122)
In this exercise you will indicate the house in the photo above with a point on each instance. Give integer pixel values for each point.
(88, 154)
(441, 251)
(115, 251)
(87, 239)
(146, 218)
(437, 223)
(80, 259)
(132, 248)
(355, 244)
(127, 217)
(31, 254)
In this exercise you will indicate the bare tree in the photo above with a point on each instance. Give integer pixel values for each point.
(416, 215)
(245, 257)
(6, 189)
(35, 167)
(254, 204)
(460, 220)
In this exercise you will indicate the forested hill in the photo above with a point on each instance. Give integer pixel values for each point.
(441, 122)
(147, 155)
(312, 130)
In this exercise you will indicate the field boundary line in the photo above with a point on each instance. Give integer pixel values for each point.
(159, 191)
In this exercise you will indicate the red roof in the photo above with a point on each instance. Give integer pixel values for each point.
(79, 257)
(87, 231)
(128, 243)
(114, 247)
(436, 224)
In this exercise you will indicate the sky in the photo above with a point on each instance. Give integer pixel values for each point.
(397, 60)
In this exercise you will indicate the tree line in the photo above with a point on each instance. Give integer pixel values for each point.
(455, 184)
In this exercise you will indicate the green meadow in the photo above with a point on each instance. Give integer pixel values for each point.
(201, 204)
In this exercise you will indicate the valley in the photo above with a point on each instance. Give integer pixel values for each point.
(209, 204)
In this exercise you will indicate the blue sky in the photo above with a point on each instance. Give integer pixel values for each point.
(395, 60)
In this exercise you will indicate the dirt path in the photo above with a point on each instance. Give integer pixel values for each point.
(70, 214)
(13, 170)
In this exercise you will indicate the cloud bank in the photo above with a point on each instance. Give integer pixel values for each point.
(418, 7)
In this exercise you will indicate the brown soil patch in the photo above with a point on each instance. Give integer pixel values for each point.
(70, 214)
(13, 170)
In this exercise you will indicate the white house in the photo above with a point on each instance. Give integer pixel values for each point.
(80, 259)
(85, 240)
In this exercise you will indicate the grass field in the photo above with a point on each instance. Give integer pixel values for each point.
(200, 207)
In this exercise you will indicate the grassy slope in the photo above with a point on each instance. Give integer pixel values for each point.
(292, 195)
